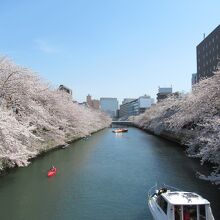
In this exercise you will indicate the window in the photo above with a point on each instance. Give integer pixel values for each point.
(190, 212)
(202, 215)
(162, 203)
(177, 212)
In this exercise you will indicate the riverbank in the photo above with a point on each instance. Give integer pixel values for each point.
(192, 120)
(36, 118)
(6, 170)
(212, 177)
(166, 135)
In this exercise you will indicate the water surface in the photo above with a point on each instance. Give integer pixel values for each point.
(106, 177)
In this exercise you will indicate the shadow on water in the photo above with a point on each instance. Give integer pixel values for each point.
(106, 177)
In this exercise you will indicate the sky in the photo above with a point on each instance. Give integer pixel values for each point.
(108, 48)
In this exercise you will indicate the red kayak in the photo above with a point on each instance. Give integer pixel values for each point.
(52, 172)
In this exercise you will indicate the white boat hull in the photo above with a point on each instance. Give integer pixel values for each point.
(156, 212)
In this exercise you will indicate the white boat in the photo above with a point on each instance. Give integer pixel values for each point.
(169, 203)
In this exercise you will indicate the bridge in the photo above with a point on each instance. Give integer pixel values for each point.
(126, 123)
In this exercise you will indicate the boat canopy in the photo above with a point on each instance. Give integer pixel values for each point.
(184, 198)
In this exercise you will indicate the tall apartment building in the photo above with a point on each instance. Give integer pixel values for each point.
(208, 54)
(109, 105)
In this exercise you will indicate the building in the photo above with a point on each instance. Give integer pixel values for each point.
(83, 104)
(208, 54)
(96, 104)
(127, 100)
(163, 93)
(89, 100)
(93, 103)
(126, 109)
(135, 106)
(194, 79)
(109, 105)
(65, 89)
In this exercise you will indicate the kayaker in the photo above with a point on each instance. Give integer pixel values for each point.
(52, 171)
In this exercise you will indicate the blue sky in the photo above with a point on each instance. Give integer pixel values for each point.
(108, 48)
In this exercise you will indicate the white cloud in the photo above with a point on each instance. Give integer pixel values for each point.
(44, 47)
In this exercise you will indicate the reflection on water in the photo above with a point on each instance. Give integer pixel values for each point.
(106, 177)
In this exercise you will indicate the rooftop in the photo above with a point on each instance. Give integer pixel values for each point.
(165, 90)
(217, 29)
(184, 198)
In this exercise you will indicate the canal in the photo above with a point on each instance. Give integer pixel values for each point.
(106, 177)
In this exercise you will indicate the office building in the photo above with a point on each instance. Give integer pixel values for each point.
(194, 79)
(135, 106)
(163, 93)
(109, 105)
(208, 54)
(93, 103)
(127, 100)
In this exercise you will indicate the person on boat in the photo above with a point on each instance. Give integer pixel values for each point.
(52, 168)
(162, 190)
(177, 212)
(186, 215)
(193, 214)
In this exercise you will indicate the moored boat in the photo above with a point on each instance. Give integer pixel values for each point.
(169, 203)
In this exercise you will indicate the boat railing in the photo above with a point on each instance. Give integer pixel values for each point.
(151, 191)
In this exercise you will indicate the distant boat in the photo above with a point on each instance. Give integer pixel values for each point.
(120, 130)
(169, 203)
(65, 146)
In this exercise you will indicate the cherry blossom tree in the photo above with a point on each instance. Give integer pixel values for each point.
(193, 119)
(35, 117)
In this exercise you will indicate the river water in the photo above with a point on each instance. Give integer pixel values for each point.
(106, 177)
